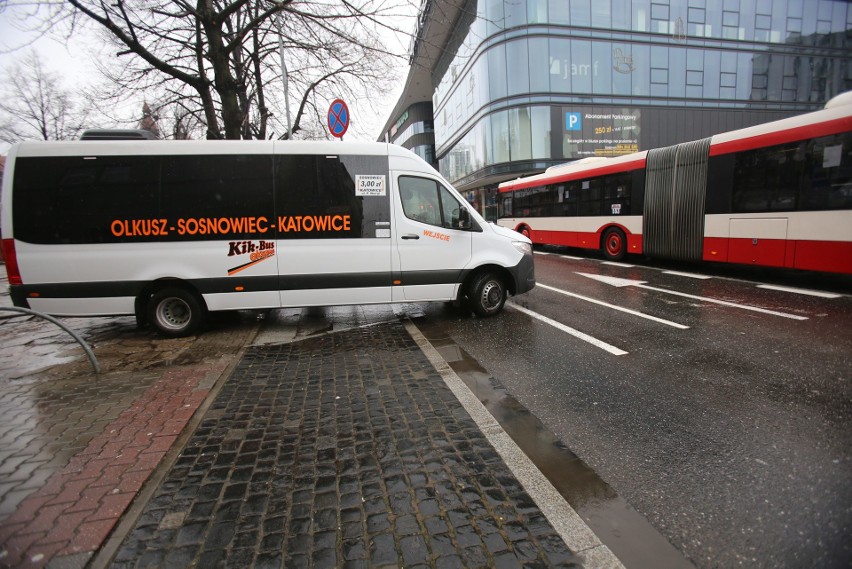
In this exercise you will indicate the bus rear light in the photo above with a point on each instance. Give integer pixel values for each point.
(11, 259)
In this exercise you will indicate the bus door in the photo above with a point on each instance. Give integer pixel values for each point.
(432, 244)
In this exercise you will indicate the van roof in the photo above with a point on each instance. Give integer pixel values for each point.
(119, 147)
(118, 134)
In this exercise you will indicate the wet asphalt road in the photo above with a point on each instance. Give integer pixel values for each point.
(727, 428)
(727, 423)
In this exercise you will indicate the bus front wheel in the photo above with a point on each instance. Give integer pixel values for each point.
(175, 312)
(614, 244)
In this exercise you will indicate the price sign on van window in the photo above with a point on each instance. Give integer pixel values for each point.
(369, 185)
(338, 118)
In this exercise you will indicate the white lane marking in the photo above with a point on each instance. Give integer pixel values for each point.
(614, 307)
(568, 330)
(688, 275)
(808, 292)
(617, 282)
(573, 530)
(614, 264)
(542, 253)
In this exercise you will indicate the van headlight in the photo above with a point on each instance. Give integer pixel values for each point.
(523, 247)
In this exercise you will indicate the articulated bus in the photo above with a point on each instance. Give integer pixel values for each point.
(774, 195)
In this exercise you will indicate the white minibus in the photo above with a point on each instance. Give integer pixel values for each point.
(169, 230)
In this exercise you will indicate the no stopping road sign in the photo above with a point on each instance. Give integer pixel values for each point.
(338, 118)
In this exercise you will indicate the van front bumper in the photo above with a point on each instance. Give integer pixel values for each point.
(523, 274)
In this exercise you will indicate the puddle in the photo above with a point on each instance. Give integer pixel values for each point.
(621, 528)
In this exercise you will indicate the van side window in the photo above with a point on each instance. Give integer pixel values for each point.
(316, 196)
(217, 186)
(73, 199)
(429, 202)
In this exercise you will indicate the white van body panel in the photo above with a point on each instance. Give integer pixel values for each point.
(352, 256)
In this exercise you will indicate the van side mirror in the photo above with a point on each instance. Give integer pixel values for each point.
(464, 218)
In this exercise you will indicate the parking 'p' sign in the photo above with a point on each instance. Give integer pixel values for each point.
(338, 118)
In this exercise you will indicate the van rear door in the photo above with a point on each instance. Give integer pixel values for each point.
(432, 247)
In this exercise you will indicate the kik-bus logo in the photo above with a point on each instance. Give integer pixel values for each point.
(257, 251)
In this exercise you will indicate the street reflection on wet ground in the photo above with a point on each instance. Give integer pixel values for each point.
(628, 534)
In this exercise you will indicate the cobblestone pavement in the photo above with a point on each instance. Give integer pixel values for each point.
(344, 450)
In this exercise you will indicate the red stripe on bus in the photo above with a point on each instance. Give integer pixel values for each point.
(825, 256)
(805, 132)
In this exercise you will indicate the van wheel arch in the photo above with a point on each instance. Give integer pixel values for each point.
(475, 281)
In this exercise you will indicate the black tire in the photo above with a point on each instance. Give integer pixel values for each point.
(614, 244)
(487, 295)
(175, 312)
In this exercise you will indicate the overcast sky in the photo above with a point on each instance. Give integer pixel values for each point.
(74, 63)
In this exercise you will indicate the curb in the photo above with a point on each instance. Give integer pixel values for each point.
(567, 523)
(104, 555)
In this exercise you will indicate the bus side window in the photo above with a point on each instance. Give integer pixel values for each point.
(768, 179)
(829, 183)
(506, 206)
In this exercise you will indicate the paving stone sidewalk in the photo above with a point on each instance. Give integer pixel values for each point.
(76, 447)
(343, 450)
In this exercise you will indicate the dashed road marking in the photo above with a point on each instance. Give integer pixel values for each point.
(568, 330)
(617, 282)
(614, 307)
(808, 292)
(688, 275)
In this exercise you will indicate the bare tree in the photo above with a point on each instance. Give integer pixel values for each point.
(35, 106)
(218, 60)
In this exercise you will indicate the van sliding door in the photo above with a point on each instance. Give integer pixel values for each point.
(333, 228)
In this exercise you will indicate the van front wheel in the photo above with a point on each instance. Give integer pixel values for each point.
(487, 295)
(175, 312)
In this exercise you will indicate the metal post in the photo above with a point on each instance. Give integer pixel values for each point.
(86, 348)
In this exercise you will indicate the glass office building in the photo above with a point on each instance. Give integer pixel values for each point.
(507, 88)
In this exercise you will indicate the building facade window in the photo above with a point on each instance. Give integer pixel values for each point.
(516, 69)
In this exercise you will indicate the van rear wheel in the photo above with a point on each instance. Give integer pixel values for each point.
(487, 295)
(175, 312)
